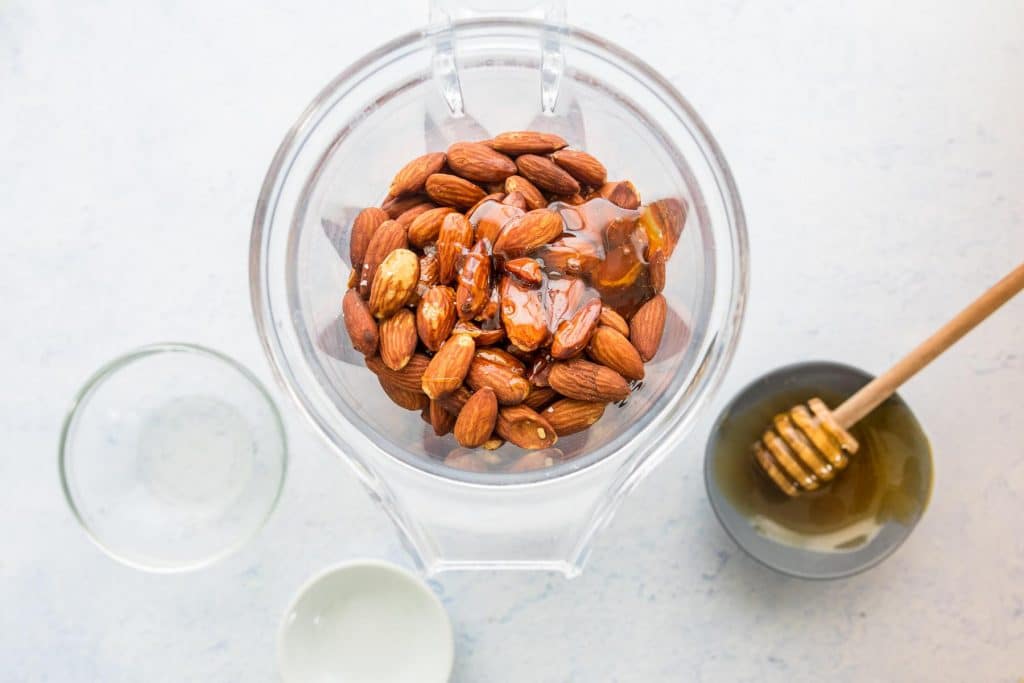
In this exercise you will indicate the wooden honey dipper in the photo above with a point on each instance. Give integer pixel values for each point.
(808, 445)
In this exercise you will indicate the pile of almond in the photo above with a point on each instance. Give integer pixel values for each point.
(509, 292)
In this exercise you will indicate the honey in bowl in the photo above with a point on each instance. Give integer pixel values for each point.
(886, 484)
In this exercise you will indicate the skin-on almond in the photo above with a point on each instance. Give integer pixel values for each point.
(523, 427)
(663, 222)
(474, 288)
(440, 419)
(527, 270)
(611, 318)
(521, 236)
(647, 326)
(359, 322)
(569, 415)
(581, 166)
(409, 215)
(610, 348)
(389, 236)
(476, 419)
(522, 314)
(451, 190)
(426, 226)
(656, 270)
(540, 397)
(429, 274)
(453, 402)
(504, 358)
(398, 339)
(412, 177)
(363, 228)
(510, 388)
(393, 283)
(573, 334)
(409, 378)
(400, 396)
(531, 195)
(455, 237)
(586, 381)
(526, 142)
(493, 197)
(546, 174)
(491, 219)
(482, 337)
(515, 199)
(479, 163)
(396, 206)
(435, 316)
(449, 366)
(621, 193)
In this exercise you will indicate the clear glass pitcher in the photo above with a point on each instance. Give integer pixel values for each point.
(479, 69)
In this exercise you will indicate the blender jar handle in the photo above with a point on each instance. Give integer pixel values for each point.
(445, 13)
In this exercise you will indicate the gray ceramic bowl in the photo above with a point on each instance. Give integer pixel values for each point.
(810, 379)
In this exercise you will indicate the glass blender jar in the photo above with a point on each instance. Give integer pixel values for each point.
(471, 74)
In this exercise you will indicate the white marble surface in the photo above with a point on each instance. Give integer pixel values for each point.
(878, 147)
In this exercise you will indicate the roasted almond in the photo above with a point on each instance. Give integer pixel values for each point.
(509, 387)
(393, 283)
(540, 368)
(586, 381)
(611, 318)
(429, 275)
(359, 322)
(610, 348)
(476, 419)
(426, 226)
(523, 427)
(440, 419)
(474, 288)
(413, 176)
(534, 229)
(499, 357)
(453, 402)
(564, 299)
(449, 366)
(389, 236)
(489, 220)
(409, 378)
(622, 193)
(663, 222)
(531, 195)
(647, 326)
(492, 197)
(479, 163)
(455, 237)
(515, 199)
(571, 199)
(526, 142)
(569, 415)
(522, 313)
(573, 334)
(435, 316)
(539, 397)
(409, 215)
(451, 190)
(410, 400)
(546, 174)
(398, 339)
(481, 336)
(527, 270)
(396, 206)
(365, 224)
(581, 166)
(656, 270)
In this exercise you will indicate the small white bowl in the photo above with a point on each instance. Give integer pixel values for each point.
(365, 620)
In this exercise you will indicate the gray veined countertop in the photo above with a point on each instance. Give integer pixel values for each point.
(879, 150)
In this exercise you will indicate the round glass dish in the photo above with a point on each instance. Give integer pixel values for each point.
(397, 102)
(172, 456)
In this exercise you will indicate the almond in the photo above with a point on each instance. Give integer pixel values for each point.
(435, 316)
(570, 199)
(476, 419)
(479, 163)
(540, 368)
(586, 381)
(451, 190)
(409, 378)
(531, 195)
(363, 227)
(656, 270)
(396, 206)
(611, 318)
(527, 270)
(621, 193)
(647, 326)
(526, 142)
(573, 334)
(610, 348)
(359, 322)
(581, 166)
(393, 283)
(398, 339)
(449, 366)
(474, 283)
(546, 174)
(663, 222)
(515, 199)
(509, 387)
(425, 227)
(570, 256)
(489, 220)
(429, 275)
(493, 197)
(534, 229)
(389, 236)
(414, 174)
(455, 237)
(522, 313)
(564, 299)
(453, 402)
(523, 427)
(481, 336)
(540, 397)
(440, 419)
(409, 215)
(400, 396)
(503, 358)
(569, 415)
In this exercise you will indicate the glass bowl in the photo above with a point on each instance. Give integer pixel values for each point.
(172, 456)
(421, 92)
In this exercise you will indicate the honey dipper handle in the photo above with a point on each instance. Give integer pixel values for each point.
(883, 386)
